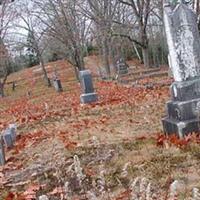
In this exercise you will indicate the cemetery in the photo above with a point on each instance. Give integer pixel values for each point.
(69, 131)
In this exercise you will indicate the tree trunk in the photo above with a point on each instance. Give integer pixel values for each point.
(137, 52)
(79, 59)
(145, 54)
(48, 82)
(2, 84)
(106, 57)
(113, 54)
(145, 45)
(197, 7)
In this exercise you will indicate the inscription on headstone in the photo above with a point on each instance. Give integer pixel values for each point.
(184, 60)
(88, 94)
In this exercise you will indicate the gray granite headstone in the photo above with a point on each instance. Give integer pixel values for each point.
(2, 152)
(184, 59)
(122, 67)
(1, 90)
(13, 129)
(56, 82)
(57, 85)
(88, 93)
(9, 137)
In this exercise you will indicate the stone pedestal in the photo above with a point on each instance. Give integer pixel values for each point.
(88, 94)
(183, 111)
(88, 98)
(57, 85)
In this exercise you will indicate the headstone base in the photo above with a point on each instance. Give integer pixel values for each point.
(123, 71)
(183, 111)
(185, 90)
(180, 128)
(88, 98)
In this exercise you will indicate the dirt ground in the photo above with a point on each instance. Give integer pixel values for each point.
(113, 149)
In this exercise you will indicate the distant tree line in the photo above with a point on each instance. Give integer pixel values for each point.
(36, 32)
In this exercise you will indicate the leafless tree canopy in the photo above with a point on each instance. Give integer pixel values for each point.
(72, 29)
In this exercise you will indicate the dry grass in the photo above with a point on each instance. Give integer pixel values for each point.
(125, 133)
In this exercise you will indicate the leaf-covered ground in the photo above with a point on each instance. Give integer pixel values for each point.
(112, 149)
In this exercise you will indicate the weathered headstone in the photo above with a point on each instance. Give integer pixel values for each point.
(13, 130)
(9, 137)
(122, 67)
(2, 152)
(88, 94)
(184, 60)
(13, 86)
(1, 89)
(57, 85)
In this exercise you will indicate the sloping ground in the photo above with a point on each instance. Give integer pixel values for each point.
(112, 149)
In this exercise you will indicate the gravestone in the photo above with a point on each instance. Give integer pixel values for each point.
(2, 152)
(13, 86)
(88, 94)
(57, 83)
(9, 136)
(122, 67)
(184, 60)
(1, 89)
(13, 130)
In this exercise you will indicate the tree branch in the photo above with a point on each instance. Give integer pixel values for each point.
(129, 38)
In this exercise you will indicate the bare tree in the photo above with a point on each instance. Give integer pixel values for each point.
(141, 10)
(66, 23)
(102, 13)
(31, 34)
(7, 15)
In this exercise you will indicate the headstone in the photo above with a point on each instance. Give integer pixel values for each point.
(13, 130)
(2, 152)
(122, 67)
(102, 73)
(88, 94)
(56, 82)
(9, 137)
(57, 85)
(13, 86)
(1, 89)
(184, 59)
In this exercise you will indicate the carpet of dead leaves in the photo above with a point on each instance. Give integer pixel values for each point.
(122, 129)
